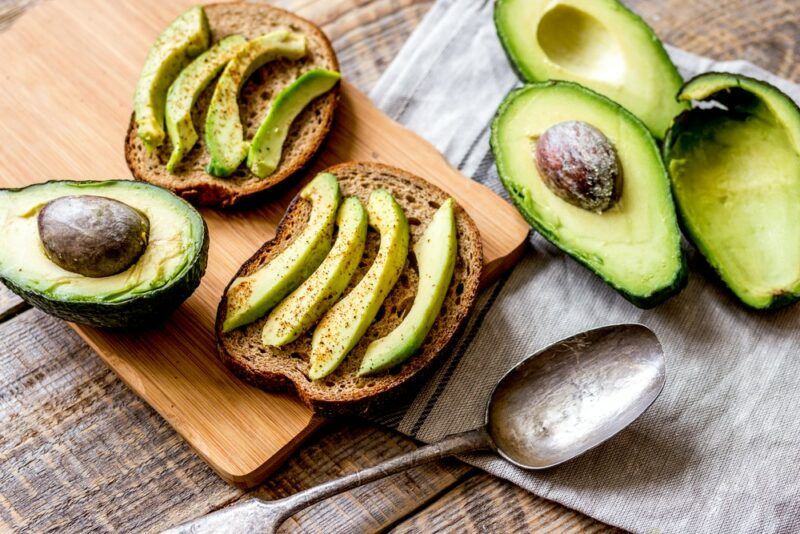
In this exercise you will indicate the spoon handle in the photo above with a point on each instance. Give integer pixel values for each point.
(263, 516)
(472, 440)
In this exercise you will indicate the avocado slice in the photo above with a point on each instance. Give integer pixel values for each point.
(266, 146)
(224, 133)
(164, 274)
(735, 172)
(601, 45)
(187, 87)
(634, 245)
(184, 39)
(251, 297)
(300, 310)
(436, 259)
(343, 325)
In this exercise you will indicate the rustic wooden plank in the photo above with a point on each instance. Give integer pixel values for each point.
(76, 439)
(139, 491)
(368, 509)
(762, 31)
(484, 503)
(10, 304)
(243, 432)
(106, 416)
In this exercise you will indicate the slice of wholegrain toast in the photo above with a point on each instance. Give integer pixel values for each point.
(191, 181)
(286, 368)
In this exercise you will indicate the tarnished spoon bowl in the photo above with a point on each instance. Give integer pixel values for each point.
(575, 394)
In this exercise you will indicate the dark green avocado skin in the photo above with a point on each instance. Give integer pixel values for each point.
(650, 301)
(137, 312)
(778, 301)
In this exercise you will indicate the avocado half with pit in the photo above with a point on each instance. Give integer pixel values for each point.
(735, 171)
(599, 44)
(109, 254)
(625, 231)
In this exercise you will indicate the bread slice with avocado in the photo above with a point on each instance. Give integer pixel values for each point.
(189, 177)
(346, 389)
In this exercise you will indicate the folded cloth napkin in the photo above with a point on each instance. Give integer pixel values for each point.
(719, 451)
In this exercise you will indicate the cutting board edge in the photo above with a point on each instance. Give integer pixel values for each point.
(243, 478)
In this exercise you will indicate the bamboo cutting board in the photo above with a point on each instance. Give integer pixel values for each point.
(69, 70)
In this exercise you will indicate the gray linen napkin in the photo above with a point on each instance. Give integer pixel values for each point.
(720, 449)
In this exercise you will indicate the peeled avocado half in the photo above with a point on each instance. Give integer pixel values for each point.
(599, 44)
(251, 297)
(735, 172)
(635, 244)
(224, 133)
(343, 325)
(112, 254)
(184, 39)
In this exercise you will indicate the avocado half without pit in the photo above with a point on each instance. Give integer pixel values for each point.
(588, 176)
(735, 171)
(110, 254)
(599, 44)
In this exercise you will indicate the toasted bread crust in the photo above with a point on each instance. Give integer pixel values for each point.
(343, 392)
(305, 136)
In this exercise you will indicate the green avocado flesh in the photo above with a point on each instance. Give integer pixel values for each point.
(735, 175)
(184, 39)
(251, 297)
(343, 325)
(599, 44)
(187, 87)
(224, 133)
(166, 272)
(436, 259)
(305, 305)
(635, 245)
(265, 149)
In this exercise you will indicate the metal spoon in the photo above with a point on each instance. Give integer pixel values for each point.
(553, 406)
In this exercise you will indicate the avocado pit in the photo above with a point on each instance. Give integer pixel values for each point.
(92, 235)
(579, 164)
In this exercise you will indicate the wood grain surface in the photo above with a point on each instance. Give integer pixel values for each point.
(80, 452)
(74, 128)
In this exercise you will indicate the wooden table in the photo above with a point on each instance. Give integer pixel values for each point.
(79, 451)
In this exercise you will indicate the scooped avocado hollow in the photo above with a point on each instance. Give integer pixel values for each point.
(123, 253)
(597, 189)
(599, 44)
(184, 39)
(735, 172)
